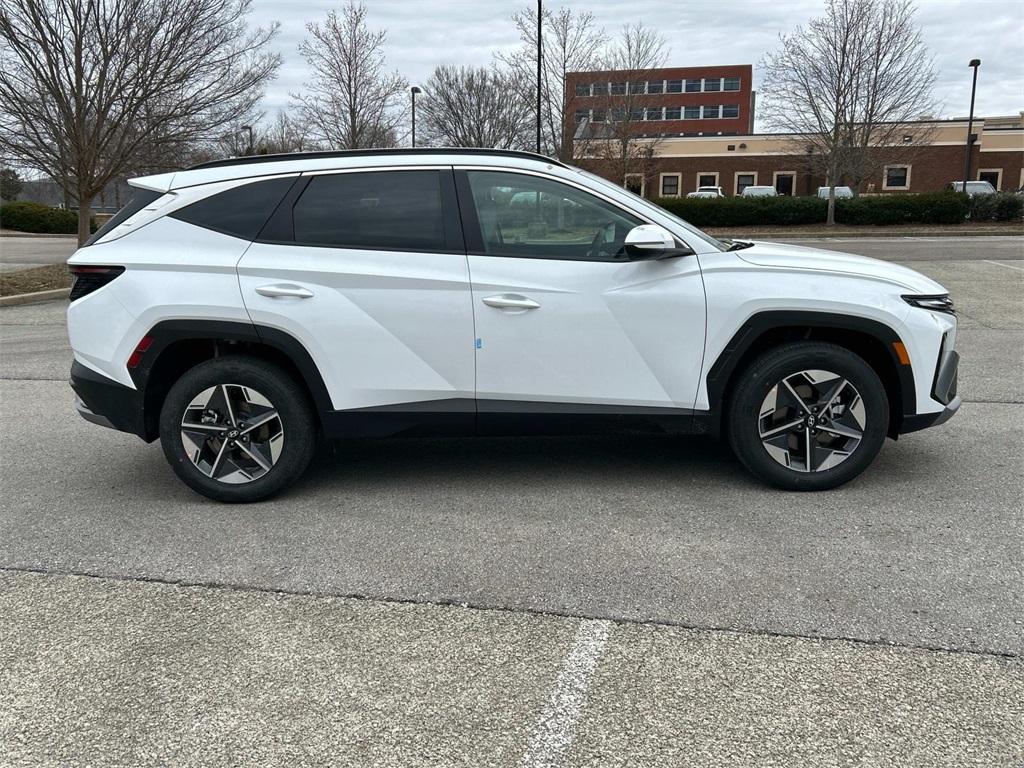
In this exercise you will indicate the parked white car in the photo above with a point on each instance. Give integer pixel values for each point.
(841, 192)
(707, 192)
(973, 187)
(240, 309)
(760, 192)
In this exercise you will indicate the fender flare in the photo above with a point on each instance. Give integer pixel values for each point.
(756, 325)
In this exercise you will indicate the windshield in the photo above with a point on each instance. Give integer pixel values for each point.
(644, 203)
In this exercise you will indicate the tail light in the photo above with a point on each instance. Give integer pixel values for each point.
(90, 278)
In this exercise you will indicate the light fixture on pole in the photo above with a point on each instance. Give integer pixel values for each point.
(248, 128)
(975, 63)
(540, 54)
(413, 91)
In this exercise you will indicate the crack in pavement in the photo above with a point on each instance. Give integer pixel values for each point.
(483, 606)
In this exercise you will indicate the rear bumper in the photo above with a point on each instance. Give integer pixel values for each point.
(105, 402)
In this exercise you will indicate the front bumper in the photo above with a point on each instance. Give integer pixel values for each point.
(105, 402)
(944, 390)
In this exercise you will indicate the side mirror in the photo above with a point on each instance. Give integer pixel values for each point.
(651, 242)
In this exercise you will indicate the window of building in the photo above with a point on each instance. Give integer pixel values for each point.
(745, 179)
(673, 86)
(670, 185)
(712, 83)
(993, 176)
(653, 113)
(582, 89)
(784, 182)
(636, 114)
(616, 115)
(707, 179)
(634, 182)
(599, 89)
(381, 210)
(580, 115)
(532, 217)
(730, 84)
(616, 89)
(896, 177)
(730, 110)
(673, 113)
(691, 113)
(712, 111)
(638, 87)
(597, 116)
(239, 211)
(693, 86)
(655, 86)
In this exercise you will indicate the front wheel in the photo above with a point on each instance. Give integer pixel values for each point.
(808, 416)
(237, 429)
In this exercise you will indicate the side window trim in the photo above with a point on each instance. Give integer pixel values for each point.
(280, 228)
(471, 223)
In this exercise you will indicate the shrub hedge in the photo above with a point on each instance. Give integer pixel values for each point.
(25, 216)
(925, 208)
(1002, 206)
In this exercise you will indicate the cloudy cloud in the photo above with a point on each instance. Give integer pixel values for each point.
(425, 33)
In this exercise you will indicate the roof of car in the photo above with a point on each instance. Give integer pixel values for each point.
(297, 162)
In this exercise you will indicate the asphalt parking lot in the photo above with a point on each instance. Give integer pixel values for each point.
(507, 602)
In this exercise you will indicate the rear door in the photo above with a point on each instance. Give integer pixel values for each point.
(565, 323)
(367, 269)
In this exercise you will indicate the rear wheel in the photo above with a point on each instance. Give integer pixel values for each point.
(237, 429)
(808, 416)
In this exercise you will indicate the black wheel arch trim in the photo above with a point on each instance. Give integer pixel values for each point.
(168, 332)
(735, 351)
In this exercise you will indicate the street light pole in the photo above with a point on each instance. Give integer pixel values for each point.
(249, 129)
(540, 54)
(975, 63)
(413, 91)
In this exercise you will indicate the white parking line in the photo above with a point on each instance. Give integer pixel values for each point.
(1000, 264)
(552, 734)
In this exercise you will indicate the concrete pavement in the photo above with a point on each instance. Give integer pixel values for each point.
(606, 573)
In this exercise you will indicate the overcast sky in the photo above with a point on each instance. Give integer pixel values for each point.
(425, 33)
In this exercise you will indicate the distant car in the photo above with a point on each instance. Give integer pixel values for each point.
(707, 192)
(973, 187)
(760, 192)
(840, 192)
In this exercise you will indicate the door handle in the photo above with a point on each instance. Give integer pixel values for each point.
(510, 301)
(284, 290)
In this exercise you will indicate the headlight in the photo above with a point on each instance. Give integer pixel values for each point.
(938, 303)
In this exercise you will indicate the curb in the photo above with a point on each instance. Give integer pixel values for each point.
(33, 298)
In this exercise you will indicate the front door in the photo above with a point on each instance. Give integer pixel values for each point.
(368, 271)
(564, 322)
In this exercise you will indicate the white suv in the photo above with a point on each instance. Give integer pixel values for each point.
(239, 310)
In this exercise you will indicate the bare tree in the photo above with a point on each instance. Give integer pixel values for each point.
(617, 134)
(284, 134)
(352, 101)
(572, 43)
(93, 89)
(470, 107)
(848, 86)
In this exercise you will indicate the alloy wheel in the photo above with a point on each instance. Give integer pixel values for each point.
(812, 421)
(232, 433)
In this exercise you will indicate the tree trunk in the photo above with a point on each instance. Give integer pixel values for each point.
(830, 219)
(84, 214)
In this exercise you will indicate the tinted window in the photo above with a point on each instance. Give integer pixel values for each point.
(528, 216)
(140, 200)
(386, 210)
(240, 211)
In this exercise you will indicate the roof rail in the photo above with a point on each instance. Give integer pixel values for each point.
(374, 152)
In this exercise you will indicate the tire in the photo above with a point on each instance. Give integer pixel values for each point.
(215, 451)
(786, 384)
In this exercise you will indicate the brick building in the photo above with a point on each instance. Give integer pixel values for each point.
(674, 101)
(680, 164)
